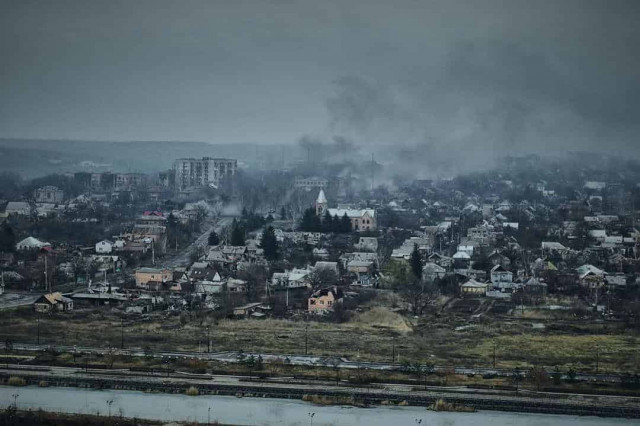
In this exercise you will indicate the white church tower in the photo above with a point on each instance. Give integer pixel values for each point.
(321, 203)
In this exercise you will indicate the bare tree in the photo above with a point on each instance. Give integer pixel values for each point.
(256, 278)
(538, 376)
(418, 294)
(322, 277)
(334, 364)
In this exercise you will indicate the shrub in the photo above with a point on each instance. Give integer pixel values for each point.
(442, 405)
(43, 384)
(192, 391)
(16, 381)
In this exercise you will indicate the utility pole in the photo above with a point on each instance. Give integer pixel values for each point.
(38, 321)
(208, 341)
(597, 358)
(121, 333)
(153, 252)
(393, 350)
(46, 278)
(109, 402)
(306, 338)
(494, 354)
(372, 172)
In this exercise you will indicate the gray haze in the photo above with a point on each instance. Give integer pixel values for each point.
(508, 75)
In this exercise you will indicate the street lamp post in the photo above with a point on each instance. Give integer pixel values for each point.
(311, 416)
(109, 402)
(208, 341)
(38, 322)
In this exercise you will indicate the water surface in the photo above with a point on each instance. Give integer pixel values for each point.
(267, 411)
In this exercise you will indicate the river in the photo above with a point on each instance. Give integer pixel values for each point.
(265, 411)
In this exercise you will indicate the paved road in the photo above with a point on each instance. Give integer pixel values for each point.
(342, 363)
(183, 258)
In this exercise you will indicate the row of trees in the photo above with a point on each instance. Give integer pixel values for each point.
(311, 222)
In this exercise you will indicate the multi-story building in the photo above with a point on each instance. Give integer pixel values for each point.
(195, 173)
(310, 183)
(49, 194)
(123, 181)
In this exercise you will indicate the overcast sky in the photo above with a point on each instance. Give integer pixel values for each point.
(505, 74)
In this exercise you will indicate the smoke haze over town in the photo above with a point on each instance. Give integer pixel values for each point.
(354, 212)
(480, 76)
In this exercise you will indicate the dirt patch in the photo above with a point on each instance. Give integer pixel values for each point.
(385, 319)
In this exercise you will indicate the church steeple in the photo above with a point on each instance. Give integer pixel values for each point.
(321, 203)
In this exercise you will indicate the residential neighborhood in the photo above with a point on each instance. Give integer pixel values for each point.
(355, 213)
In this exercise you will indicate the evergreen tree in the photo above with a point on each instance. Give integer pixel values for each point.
(345, 224)
(214, 240)
(171, 221)
(316, 223)
(327, 222)
(283, 214)
(7, 238)
(416, 263)
(237, 234)
(307, 222)
(269, 244)
(337, 226)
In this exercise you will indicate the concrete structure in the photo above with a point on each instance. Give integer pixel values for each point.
(127, 181)
(194, 173)
(49, 194)
(310, 183)
(21, 208)
(104, 247)
(361, 219)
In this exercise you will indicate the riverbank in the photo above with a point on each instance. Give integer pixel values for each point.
(493, 400)
(205, 409)
(11, 416)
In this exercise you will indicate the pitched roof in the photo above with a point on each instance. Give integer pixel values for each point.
(461, 255)
(474, 284)
(352, 212)
(337, 293)
(322, 199)
(32, 242)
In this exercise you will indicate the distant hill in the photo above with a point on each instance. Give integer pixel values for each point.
(37, 157)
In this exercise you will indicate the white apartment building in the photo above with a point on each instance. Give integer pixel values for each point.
(194, 173)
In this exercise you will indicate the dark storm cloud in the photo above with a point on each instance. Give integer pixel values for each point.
(481, 76)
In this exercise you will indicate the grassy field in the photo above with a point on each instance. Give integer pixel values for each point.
(436, 338)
